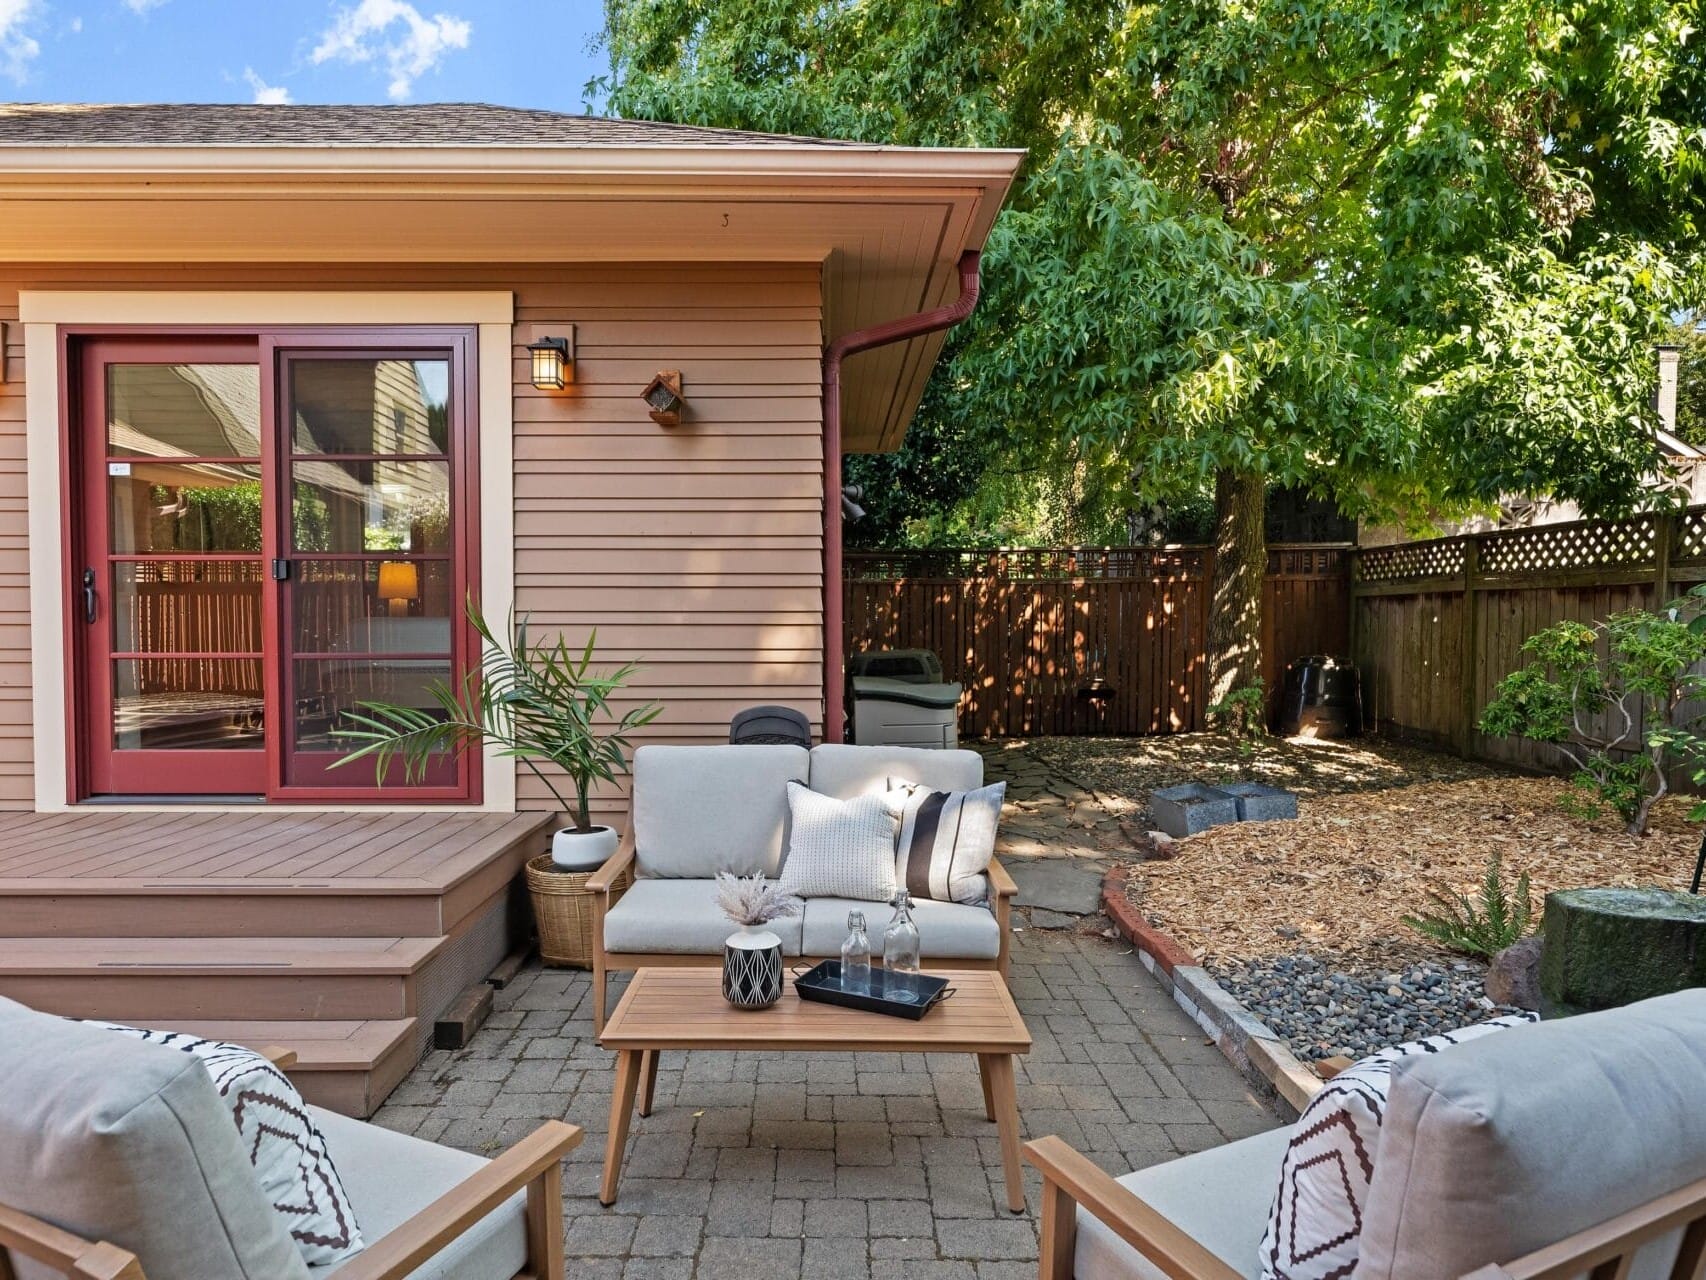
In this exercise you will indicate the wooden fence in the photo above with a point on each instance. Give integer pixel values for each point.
(1027, 631)
(1436, 625)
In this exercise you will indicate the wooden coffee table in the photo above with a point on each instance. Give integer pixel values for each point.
(684, 1009)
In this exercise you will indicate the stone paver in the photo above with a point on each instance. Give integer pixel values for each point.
(863, 1166)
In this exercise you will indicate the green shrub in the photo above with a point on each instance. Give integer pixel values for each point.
(1619, 701)
(1243, 713)
(1484, 929)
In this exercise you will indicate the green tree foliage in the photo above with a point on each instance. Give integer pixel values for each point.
(1406, 254)
(1619, 701)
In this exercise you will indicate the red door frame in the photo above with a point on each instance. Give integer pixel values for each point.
(460, 344)
(111, 771)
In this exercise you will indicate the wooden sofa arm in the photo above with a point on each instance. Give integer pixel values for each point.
(60, 1251)
(533, 1164)
(602, 880)
(1071, 1181)
(1000, 883)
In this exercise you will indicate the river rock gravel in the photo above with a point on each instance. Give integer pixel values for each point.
(1323, 1005)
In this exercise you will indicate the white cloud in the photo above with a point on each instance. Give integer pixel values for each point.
(266, 95)
(142, 6)
(17, 48)
(366, 33)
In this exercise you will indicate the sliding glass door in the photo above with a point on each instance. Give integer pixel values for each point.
(269, 530)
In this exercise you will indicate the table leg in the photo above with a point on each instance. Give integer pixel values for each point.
(998, 1071)
(648, 1080)
(621, 1111)
(988, 1097)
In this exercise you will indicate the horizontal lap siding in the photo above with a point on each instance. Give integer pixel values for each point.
(17, 768)
(696, 549)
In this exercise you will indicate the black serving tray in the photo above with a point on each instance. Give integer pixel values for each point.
(900, 995)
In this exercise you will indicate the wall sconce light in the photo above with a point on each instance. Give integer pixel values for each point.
(551, 360)
(663, 397)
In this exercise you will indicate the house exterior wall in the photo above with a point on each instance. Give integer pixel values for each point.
(695, 549)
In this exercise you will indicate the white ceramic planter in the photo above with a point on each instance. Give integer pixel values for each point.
(573, 850)
(752, 968)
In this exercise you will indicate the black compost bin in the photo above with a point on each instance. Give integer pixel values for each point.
(1322, 698)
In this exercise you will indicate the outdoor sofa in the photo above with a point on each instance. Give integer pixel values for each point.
(1569, 1148)
(700, 810)
(116, 1155)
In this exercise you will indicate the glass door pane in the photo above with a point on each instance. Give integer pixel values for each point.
(371, 607)
(171, 590)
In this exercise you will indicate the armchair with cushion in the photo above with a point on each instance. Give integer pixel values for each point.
(1570, 1148)
(700, 810)
(118, 1161)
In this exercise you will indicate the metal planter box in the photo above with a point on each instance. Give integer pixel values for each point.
(1258, 802)
(1191, 808)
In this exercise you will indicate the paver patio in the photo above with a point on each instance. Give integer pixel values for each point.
(757, 1165)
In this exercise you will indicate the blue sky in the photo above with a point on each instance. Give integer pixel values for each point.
(528, 53)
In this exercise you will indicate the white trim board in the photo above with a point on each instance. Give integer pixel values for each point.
(42, 311)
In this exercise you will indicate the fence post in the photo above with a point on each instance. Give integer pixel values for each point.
(1468, 660)
(1664, 545)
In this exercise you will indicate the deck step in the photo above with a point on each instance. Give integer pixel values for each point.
(345, 1066)
(284, 979)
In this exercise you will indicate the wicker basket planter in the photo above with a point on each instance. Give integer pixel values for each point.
(563, 909)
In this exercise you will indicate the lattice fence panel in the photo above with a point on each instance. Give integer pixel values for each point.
(1443, 558)
(1030, 563)
(1690, 545)
(1588, 544)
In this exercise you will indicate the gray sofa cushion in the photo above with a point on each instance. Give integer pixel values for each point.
(681, 917)
(701, 810)
(845, 771)
(1511, 1143)
(1218, 1197)
(946, 930)
(118, 1140)
(391, 1177)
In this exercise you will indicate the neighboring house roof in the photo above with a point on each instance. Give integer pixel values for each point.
(441, 124)
(461, 183)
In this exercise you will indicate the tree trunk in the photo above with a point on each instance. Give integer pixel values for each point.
(1240, 567)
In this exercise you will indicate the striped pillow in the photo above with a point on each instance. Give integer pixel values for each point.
(947, 840)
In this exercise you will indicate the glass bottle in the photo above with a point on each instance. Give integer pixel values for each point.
(856, 955)
(900, 939)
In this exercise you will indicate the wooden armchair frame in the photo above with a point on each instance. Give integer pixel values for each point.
(610, 881)
(533, 1165)
(1603, 1252)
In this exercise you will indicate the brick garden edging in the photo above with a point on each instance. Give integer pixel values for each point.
(1265, 1059)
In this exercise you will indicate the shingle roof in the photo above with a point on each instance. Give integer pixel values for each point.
(449, 124)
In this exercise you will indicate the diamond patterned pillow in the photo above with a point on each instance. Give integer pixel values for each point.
(284, 1144)
(1315, 1226)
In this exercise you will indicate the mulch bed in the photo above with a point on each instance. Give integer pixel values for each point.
(1344, 873)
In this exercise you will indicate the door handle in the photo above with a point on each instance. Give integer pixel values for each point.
(88, 595)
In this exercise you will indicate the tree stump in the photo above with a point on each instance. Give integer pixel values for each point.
(1610, 947)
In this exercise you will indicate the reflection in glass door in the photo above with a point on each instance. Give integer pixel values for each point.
(170, 586)
(371, 599)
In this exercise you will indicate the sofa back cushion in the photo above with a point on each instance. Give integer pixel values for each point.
(117, 1140)
(1512, 1143)
(845, 771)
(701, 810)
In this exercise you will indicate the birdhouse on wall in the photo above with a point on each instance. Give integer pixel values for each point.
(664, 399)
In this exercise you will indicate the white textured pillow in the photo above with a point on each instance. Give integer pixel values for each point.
(281, 1140)
(839, 848)
(947, 840)
(1315, 1226)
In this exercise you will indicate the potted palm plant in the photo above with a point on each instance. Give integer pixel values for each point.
(541, 704)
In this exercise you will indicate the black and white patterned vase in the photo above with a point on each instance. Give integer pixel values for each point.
(752, 968)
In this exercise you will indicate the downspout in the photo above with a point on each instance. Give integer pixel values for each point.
(878, 335)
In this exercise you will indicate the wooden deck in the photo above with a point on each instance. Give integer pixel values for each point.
(341, 935)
